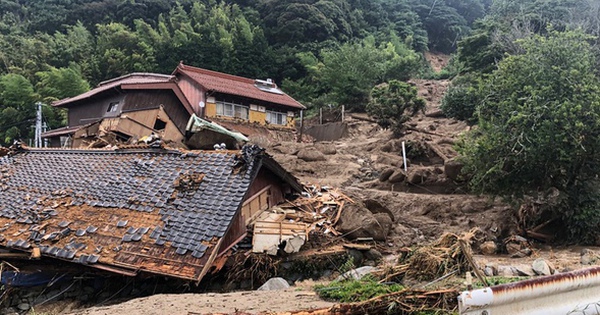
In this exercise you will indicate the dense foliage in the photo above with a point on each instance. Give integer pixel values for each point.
(539, 127)
(323, 52)
(349, 291)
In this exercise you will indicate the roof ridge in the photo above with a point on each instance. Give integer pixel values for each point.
(133, 74)
(215, 73)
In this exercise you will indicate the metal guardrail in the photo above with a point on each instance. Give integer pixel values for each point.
(572, 293)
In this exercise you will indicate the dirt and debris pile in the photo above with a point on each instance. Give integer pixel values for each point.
(286, 228)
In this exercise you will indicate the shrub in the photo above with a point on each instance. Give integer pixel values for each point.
(462, 98)
(393, 103)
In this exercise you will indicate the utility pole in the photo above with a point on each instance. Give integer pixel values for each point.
(44, 129)
(38, 126)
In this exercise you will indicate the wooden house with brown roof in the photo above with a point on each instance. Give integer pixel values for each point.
(137, 105)
(226, 97)
(131, 106)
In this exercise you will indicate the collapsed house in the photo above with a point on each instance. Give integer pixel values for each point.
(136, 210)
(126, 108)
(137, 105)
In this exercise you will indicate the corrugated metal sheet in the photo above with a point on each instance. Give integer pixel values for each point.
(576, 292)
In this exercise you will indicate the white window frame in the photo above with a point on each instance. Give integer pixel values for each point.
(233, 110)
(281, 118)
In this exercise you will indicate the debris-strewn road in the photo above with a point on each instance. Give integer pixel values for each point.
(253, 302)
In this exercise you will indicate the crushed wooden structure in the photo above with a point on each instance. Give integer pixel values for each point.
(317, 210)
(136, 210)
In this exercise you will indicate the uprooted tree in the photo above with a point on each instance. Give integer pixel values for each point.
(539, 130)
(393, 103)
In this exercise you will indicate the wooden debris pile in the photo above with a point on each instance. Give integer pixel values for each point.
(319, 206)
(287, 227)
(407, 301)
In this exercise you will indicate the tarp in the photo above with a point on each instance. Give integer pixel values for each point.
(197, 124)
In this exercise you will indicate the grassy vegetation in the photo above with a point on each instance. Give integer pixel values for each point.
(498, 280)
(355, 290)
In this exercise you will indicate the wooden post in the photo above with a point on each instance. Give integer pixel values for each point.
(343, 112)
(321, 116)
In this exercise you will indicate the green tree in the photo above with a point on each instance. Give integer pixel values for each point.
(393, 104)
(120, 51)
(347, 73)
(59, 83)
(463, 97)
(17, 108)
(539, 127)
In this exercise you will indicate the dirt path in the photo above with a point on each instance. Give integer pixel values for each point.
(252, 302)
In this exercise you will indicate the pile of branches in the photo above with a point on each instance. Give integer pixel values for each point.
(407, 301)
(256, 268)
(451, 254)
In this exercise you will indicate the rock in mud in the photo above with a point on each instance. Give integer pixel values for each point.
(274, 284)
(24, 306)
(589, 257)
(417, 176)
(311, 155)
(358, 221)
(524, 270)
(541, 267)
(488, 248)
(397, 177)
(373, 254)
(356, 274)
(326, 148)
(385, 175)
(453, 169)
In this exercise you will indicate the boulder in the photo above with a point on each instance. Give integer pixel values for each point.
(397, 177)
(541, 267)
(357, 221)
(524, 270)
(380, 228)
(311, 155)
(525, 252)
(488, 248)
(24, 306)
(326, 148)
(385, 175)
(377, 207)
(285, 149)
(373, 254)
(417, 176)
(388, 160)
(274, 284)
(589, 257)
(356, 274)
(505, 271)
(453, 169)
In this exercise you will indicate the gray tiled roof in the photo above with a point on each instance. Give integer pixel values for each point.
(118, 206)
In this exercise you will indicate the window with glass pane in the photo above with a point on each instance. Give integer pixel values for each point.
(232, 110)
(276, 118)
(241, 112)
